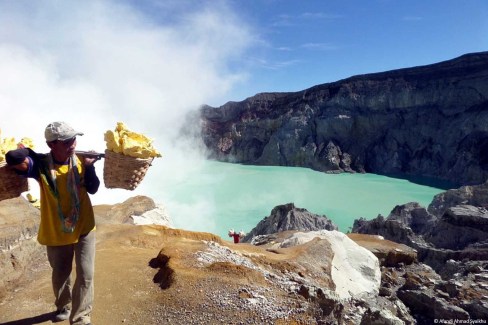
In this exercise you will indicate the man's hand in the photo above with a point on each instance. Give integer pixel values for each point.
(23, 166)
(90, 160)
(18, 159)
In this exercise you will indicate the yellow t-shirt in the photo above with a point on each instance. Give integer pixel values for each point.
(50, 230)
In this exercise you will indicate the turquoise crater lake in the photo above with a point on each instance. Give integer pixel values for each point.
(215, 197)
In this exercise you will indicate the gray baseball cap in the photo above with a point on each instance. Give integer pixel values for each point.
(60, 131)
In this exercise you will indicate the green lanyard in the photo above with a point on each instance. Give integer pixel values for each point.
(68, 223)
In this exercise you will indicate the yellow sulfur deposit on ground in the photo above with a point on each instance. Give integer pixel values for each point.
(124, 141)
(8, 144)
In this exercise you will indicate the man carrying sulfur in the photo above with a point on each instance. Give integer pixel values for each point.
(67, 219)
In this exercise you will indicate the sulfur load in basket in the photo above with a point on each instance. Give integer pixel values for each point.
(11, 184)
(124, 172)
(127, 158)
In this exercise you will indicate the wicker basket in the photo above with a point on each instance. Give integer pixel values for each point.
(11, 184)
(120, 171)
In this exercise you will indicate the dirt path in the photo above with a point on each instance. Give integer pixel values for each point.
(133, 285)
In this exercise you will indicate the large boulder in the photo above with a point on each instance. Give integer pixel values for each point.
(288, 217)
(389, 253)
(156, 216)
(354, 270)
(124, 212)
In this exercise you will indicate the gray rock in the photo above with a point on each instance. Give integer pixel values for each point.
(19, 249)
(430, 306)
(450, 237)
(414, 216)
(459, 227)
(375, 316)
(467, 216)
(19, 221)
(459, 234)
(288, 217)
(477, 309)
(465, 195)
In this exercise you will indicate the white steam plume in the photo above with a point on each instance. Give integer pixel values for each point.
(93, 63)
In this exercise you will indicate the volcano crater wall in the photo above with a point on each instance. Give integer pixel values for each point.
(429, 121)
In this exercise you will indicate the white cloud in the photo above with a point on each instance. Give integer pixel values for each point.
(412, 18)
(319, 46)
(274, 65)
(320, 15)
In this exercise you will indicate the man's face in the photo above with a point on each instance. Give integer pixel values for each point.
(62, 150)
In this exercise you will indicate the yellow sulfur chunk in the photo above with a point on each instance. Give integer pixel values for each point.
(27, 142)
(120, 127)
(129, 143)
(112, 139)
(8, 144)
(136, 137)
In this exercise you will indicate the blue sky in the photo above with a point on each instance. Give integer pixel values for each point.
(311, 42)
(148, 63)
(298, 44)
(227, 50)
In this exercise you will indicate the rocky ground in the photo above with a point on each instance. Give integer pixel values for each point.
(135, 285)
(148, 274)
(154, 275)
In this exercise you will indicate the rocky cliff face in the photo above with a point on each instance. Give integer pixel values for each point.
(427, 121)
